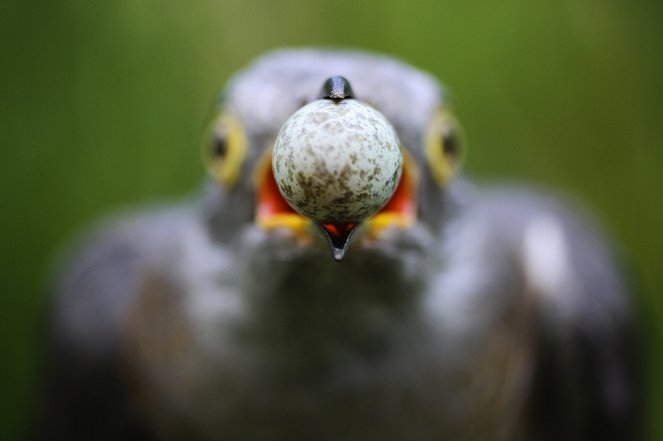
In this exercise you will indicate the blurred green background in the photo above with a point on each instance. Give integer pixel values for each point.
(103, 105)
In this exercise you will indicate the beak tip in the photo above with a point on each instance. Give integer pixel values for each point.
(338, 238)
(338, 253)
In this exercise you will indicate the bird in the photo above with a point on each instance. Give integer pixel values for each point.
(340, 278)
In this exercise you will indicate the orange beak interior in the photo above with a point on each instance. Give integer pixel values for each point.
(272, 210)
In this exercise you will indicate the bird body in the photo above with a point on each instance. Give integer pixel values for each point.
(491, 314)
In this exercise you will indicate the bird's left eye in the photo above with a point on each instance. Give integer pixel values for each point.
(224, 148)
(444, 146)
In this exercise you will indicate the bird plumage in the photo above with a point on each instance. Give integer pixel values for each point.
(499, 314)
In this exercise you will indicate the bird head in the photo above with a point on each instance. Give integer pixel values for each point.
(348, 144)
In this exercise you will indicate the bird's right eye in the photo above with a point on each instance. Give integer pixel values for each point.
(224, 148)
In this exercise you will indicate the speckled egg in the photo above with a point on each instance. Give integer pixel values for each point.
(337, 162)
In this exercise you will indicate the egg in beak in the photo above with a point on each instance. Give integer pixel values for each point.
(336, 163)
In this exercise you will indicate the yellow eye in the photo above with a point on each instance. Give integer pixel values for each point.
(225, 148)
(444, 146)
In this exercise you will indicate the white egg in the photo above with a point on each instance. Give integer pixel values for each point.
(337, 162)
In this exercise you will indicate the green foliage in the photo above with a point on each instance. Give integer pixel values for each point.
(103, 104)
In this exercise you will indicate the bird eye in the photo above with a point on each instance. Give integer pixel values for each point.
(443, 146)
(225, 148)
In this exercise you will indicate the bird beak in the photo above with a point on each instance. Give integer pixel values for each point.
(363, 169)
(273, 212)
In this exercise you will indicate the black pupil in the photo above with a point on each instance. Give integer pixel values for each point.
(450, 143)
(219, 146)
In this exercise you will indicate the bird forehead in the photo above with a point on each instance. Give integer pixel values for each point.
(277, 84)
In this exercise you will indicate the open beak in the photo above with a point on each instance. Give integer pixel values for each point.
(272, 211)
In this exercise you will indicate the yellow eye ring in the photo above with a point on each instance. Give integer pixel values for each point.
(224, 149)
(443, 146)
